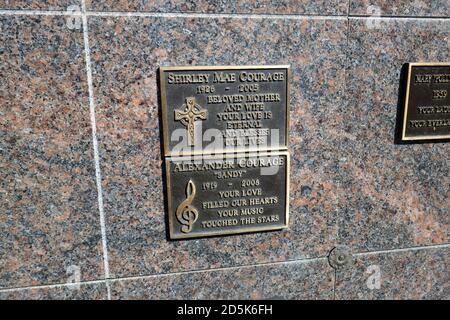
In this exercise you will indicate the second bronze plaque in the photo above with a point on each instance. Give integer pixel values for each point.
(217, 195)
(427, 102)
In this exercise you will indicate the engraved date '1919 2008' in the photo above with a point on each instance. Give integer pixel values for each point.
(214, 195)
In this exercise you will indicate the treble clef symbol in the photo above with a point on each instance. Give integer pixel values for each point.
(187, 214)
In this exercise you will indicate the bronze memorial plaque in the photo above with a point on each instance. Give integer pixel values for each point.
(225, 132)
(426, 114)
(224, 109)
(215, 195)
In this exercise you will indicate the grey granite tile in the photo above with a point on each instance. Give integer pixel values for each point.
(313, 7)
(411, 274)
(126, 54)
(39, 4)
(201, 6)
(409, 8)
(398, 194)
(95, 291)
(48, 199)
(290, 280)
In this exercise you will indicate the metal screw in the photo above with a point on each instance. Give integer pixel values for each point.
(339, 257)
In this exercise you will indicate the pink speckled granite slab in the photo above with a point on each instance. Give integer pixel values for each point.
(95, 291)
(39, 4)
(351, 184)
(398, 194)
(289, 280)
(412, 274)
(313, 7)
(49, 217)
(408, 8)
(126, 54)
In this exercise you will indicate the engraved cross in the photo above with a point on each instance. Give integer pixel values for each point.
(191, 112)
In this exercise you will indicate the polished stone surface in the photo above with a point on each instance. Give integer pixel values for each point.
(398, 195)
(95, 291)
(39, 4)
(316, 7)
(351, 184)
(312, 7)
(409, 8)
(412, 274)
(49, 217)
(290, 280)
(126, 53)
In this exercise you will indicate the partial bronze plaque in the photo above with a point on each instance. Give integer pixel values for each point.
(227, 194)
(427, 102)
(224, 109)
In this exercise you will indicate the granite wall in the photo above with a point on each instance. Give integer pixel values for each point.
(81, 191)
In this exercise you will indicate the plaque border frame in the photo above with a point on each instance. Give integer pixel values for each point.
(162, 70)
(406, 104)
(227, 232)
